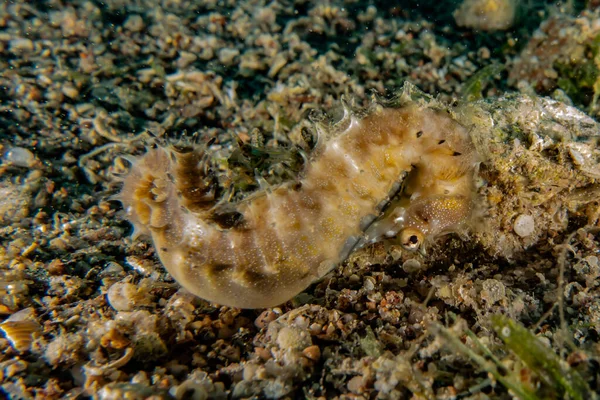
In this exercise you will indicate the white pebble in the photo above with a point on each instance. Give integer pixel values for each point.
(524, 225)
(292, 338)
(112, 268)
(19, 157)
(410, 266)
(21, 45)
(122, 296)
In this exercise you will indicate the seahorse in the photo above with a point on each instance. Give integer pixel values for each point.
(286, 237)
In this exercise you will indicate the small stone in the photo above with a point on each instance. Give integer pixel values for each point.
(369, 283)
(486, 15)
(356, 384)
(312, 352)
(19, 157)
(122, 296)
(265, 318)
(21, 45)
(15, 367)
(114, 339)
(20, 328)
(524, 225)
(492, 291)
(134, 23)
(292, 338)
(227, 55)
(263, 353)
(249, 371)
(70, 91)
(577, 157)
(411, 266)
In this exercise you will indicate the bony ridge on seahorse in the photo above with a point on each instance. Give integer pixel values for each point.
(293, 234)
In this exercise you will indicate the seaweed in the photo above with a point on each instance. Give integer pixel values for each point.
(487, 361)
(472, 90)
(370, 345)
(534, 371)
(537, 356)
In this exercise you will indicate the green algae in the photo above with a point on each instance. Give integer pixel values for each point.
(581, 80)
(541, 360)
(472, 90)
(524, 365)
(370, 345)
(486, 360)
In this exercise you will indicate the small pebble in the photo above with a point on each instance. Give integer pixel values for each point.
(293, 338)
(524, 225)
(134, 23)
(121, 296)
(227, 56)
(411, 266)
(493, 291)
(356, 384)
(19, 157)
(312, 352)
(21, 45)
(70, 91)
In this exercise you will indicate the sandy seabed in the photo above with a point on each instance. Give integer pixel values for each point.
(90, 312)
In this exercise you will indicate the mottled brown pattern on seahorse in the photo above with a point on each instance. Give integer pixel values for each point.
(293, 234)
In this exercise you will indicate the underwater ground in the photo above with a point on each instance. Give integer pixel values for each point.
(509, 309)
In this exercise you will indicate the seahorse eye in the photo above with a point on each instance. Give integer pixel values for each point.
(411, 238)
